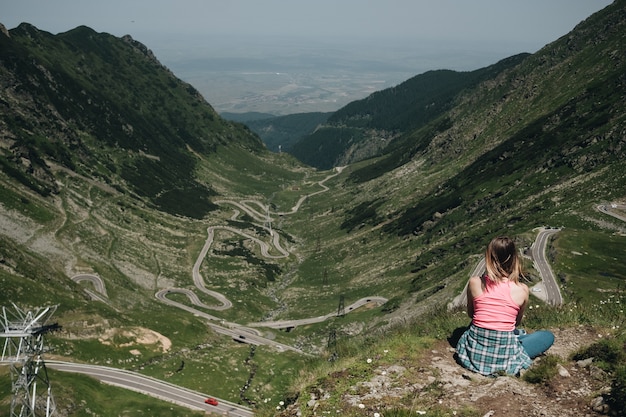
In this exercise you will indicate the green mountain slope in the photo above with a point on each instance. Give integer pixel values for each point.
(280, 133)
(107, 108)
(365, 127)
(567, 132)
(538, 144)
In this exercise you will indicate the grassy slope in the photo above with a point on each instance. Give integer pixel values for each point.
(118, 115)
(364, 127)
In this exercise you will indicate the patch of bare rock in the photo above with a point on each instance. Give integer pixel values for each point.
(439, 382)
(576, 390)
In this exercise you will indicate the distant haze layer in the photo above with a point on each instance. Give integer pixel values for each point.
(281, 75)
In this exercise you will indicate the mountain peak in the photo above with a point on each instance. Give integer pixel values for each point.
(140, 47)
(4, 31)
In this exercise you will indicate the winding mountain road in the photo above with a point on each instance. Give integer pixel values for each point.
(260, 213)
(551, 292)
(184, 397)
(613, 209)
(98, 284)
(285, 324)
(195, 400)
(153, 387)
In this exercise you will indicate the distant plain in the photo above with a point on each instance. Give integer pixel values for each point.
(282, 76)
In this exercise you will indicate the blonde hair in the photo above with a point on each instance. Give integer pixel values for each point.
(502, 260)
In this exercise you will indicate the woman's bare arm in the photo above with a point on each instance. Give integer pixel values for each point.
(523, 295)
(474, 289)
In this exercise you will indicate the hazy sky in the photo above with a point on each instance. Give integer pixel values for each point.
(531, 23)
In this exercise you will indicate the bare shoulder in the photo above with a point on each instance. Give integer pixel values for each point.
(475, 281)
(521, 288)
(520, 293)
(475, 285)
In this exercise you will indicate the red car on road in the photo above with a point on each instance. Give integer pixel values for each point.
(211, 401)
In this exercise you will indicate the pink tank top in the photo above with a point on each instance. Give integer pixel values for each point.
(494, 309)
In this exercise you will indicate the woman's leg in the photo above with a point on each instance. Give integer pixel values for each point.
(537, 342)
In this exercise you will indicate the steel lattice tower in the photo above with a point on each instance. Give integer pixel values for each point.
(23, 332)
(341, 310)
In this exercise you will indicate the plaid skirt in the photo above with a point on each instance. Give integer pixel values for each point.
(491, 352)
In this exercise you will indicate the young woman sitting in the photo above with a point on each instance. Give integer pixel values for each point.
(496, 303)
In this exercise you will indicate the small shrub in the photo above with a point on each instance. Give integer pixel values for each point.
(606, 353)
(391, 305)
(542, 371)
(431, 412)
(610, 355)
(617, 398)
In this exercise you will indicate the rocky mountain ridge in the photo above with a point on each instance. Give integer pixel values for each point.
(107, 109)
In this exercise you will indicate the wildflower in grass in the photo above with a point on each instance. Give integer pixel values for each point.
(369, 360)
(361, 405)
(376, 415)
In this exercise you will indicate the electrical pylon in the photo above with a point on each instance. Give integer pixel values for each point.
(341, 309)
(23, 332)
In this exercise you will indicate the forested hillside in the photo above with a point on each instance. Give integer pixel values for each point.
(282, 132)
